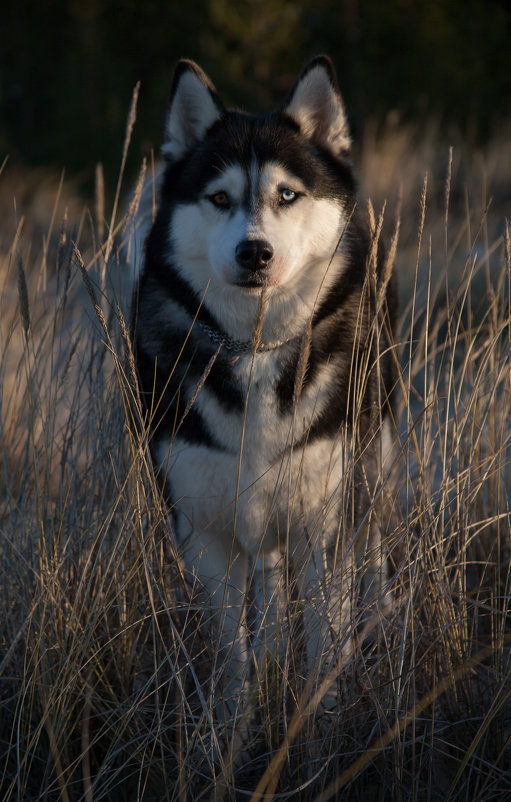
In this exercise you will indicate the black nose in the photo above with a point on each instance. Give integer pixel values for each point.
(254, 254)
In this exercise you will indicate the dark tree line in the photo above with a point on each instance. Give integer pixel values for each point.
(68, 67)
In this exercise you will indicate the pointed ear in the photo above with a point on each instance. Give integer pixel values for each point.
(194, 107)
(315, 104)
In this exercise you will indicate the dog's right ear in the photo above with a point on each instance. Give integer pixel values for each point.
(315, 104)
(194, 107)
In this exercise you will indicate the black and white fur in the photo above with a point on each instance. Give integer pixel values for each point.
(263, 344)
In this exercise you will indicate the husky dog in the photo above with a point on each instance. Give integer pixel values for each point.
(262, 323)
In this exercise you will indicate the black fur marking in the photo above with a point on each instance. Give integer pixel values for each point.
(166, 402)
(221, 383)
(336, 339)
(173, 285)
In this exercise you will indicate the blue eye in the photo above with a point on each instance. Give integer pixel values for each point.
(287, 196)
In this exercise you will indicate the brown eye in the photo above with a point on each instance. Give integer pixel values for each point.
(220, 199)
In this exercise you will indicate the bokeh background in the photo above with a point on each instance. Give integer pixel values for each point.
(68, 67)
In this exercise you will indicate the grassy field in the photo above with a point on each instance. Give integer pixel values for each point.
(106, 678)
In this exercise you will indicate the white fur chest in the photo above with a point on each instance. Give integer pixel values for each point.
(262, 484)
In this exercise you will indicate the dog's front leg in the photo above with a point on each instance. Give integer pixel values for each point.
(270, 605)
(327, 594)
(219, 570)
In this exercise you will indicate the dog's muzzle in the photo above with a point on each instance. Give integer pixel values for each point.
(253, 256)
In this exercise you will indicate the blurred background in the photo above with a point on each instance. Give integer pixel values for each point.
(417, 76)
(68, 68)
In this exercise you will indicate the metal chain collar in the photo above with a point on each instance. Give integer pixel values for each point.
(238, 346)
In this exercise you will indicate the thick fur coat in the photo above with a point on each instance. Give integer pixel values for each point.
(262, 323)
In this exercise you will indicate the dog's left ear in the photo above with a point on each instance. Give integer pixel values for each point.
(315, 104)
(194, 107)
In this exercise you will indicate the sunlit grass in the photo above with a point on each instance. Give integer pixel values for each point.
(106, 674)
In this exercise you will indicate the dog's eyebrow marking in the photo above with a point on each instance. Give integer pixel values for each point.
(230, 179)
(275, 177)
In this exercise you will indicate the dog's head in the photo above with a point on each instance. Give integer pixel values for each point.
(257, 200)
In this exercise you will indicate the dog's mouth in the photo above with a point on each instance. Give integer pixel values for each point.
(251, 285)
(255, 280)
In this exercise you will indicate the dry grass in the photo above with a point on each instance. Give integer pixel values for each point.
(100, 697)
